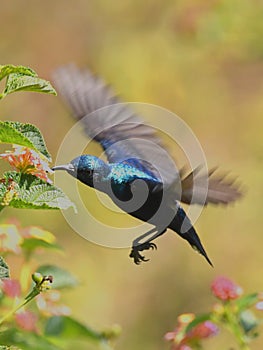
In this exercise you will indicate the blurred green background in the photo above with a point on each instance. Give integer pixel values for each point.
(202, 60)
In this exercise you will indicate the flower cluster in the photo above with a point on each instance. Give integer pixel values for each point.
(184, 339)
(232, 311)
(11, 191)
(225, 289)
(15, 239)
(27, 161)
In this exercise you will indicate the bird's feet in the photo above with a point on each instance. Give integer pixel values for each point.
(136, 256)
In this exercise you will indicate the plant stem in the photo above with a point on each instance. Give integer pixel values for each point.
(234, 327)
(27, 299)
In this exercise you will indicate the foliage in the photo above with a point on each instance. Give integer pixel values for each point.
(29, 186)
(233, 312)
(46, 324)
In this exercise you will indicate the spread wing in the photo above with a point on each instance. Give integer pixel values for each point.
(124, 136)
(113, 124)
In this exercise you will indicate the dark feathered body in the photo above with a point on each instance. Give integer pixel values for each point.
(117, 180)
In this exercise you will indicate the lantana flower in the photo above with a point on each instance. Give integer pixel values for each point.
(27, 161)
(225, 289)
(182, 340)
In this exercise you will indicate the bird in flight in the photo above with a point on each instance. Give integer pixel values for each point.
(127, 142)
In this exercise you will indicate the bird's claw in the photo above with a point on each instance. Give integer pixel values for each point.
(136, 256)
(152, 246)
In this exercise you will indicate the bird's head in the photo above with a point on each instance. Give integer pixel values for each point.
(86, 168)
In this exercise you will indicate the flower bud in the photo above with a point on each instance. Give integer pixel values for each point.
(37, 277)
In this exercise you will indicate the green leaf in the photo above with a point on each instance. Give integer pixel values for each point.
(31, 244)
(62, 278)
(45, 196)
(9, 69)
(33, 193)
(10, 135)
(26, 340)
(246, 301)
(26, 135)
(18, 82)
(4, 269)
(69, 328)
(20, 78)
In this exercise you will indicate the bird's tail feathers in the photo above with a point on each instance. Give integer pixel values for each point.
(214, 187)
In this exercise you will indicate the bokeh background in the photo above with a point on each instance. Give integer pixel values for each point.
(202, 59)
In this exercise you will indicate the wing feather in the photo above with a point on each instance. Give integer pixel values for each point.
(122, 133)
(124, 136)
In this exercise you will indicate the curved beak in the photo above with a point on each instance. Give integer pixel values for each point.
(66, 167)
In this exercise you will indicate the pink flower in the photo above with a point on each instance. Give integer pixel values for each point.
(26, 320)
(11, 288)
(203, 330)
(224, 289)
(182, 340)
(27, 161)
